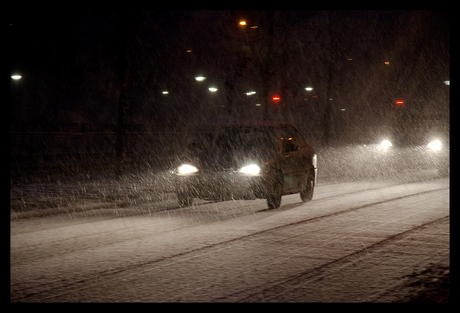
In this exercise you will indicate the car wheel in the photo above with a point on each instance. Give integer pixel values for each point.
(307, 194)
(184, 200)
(275, 194)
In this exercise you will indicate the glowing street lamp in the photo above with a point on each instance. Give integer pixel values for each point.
(200, 78)
(16, 77)
(308, 88)
(212, 89)
(242, 23)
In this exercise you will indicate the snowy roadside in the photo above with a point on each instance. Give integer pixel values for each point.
(430, 284)
(77, 194)
(55, 193)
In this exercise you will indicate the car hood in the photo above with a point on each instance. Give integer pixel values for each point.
(231, 159)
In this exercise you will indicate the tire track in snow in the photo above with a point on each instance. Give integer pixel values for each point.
(319, 272)
(177, 209)
(56, 287)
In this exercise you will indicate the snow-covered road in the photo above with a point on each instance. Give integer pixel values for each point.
(355, 241)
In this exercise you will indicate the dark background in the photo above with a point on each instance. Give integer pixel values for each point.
(104, 71)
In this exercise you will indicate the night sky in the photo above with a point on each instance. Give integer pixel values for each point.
(70, 64)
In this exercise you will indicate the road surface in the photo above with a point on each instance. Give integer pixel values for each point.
(355, 242)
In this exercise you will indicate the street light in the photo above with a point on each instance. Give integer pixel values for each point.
(212, 89)
(16, 77)
(309, 88)
(242, 23)
(200, 78)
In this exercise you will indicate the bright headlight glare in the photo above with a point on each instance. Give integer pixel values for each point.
(435, 145)
(250, 169)
(385, 144)
(187, 169)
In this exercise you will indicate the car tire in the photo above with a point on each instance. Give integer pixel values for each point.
(306, 195)
(276, 192)
(184, 200)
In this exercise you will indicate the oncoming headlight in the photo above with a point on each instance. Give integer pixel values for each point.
(386, 144)
(435, 145)
(186, 169)
(252, 169)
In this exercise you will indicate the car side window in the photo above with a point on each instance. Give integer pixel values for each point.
(291, 139)
(299, 140)
(287, 139)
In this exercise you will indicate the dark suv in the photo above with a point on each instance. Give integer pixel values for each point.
(247, 161)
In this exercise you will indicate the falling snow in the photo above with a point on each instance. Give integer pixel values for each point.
(103, 106)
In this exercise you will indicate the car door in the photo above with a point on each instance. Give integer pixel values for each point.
(296, 162)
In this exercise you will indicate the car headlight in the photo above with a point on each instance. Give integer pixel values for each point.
(252, 169)
(435, 145)
(385, 144)
(186, 169)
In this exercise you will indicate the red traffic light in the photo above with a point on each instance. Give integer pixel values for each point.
(276, 98)
(399, 102)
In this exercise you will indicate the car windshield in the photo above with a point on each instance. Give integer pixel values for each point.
(245, 138)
